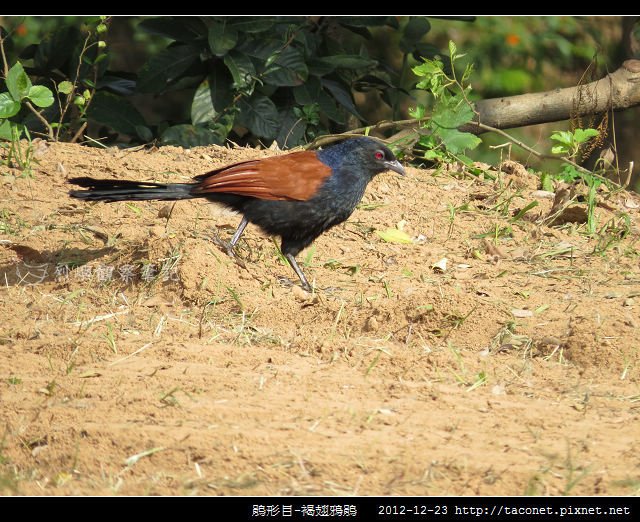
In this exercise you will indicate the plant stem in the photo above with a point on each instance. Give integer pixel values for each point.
(5, 65)
(78, 133)
(541, 154)
(67, 103)
(41, 118)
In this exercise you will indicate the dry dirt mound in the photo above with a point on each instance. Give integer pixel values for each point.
(137, 358)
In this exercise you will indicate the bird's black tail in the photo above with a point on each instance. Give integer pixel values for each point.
(124, 190)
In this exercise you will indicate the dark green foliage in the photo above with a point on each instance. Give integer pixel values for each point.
(249, 79)
(268, 76)
(115, 112)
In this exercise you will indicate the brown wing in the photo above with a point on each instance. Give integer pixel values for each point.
(296, 176)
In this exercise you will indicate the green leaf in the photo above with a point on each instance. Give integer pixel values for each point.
(260, 116)
(523, 211)
(564, 137)
(41, 96)
(428, 68)
(452, 49)
(328, 106)
(65, 87)
(559, 149)
(319, 68)
(342, 96)
(222, 38)
(370, 82)
(184, 82)
(5, 130)
(312, 92)
(348, 61)
(202, 108)
(165, 67)
(115, 112)
(308, 92)
(144, 133)
(191, 136)
(456, 141)
(433, 155)
(260, 48)
(417, 113)
(241, 68)
(362, 31)
(414, 31)
(18, 82)
(546, 182)
(582, 135)
(8, 106)
(292, 129)
(115, 84)
(287, 69)
(212, 96)
(393, 235)
(251, 24)
(452, 114)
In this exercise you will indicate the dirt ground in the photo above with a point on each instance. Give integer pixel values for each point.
(137, 358)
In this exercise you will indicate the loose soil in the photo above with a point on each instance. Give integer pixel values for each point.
(137, 358)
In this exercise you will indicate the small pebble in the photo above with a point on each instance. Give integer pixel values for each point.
(165, 211)
(300, 294)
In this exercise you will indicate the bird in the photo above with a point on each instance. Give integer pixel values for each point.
(297, 196)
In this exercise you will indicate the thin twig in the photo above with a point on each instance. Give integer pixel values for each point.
(382, 125)
(41, 118)
(78, 133)
(5, 64)
(389, 125)
(75, 84)
(541, 154)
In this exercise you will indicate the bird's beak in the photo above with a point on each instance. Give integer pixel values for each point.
(395, 167)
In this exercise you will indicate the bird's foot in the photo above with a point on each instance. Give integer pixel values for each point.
(285, 281)
(289, 283)
(228, 249)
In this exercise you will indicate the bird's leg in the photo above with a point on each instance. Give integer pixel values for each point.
(229, 247)
(294, 265)
(236, 236)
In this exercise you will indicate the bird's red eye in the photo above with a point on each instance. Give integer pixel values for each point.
(379, 155)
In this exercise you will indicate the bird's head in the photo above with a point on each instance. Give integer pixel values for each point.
(363, 153)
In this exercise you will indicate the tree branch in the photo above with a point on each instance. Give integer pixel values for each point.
(617, 90)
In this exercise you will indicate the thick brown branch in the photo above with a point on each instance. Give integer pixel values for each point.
(618, 90)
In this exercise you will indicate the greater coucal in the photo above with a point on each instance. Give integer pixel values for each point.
(296, 196)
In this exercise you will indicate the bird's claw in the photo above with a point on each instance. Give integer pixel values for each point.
(289, 283)
(228, 249)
